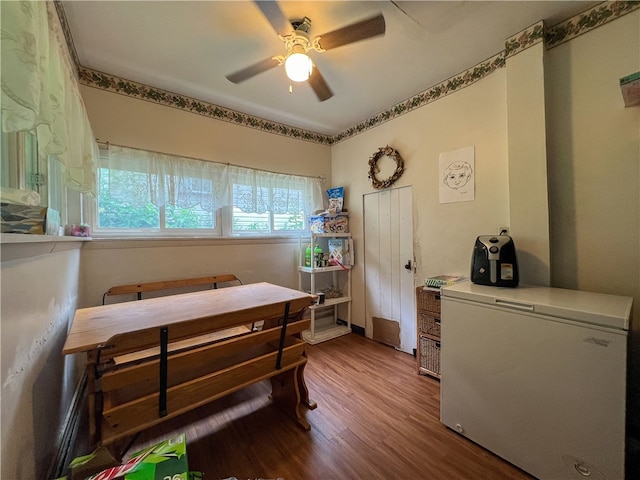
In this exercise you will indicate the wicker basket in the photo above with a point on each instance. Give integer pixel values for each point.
(428, 300)
(428, 324)
(430, 355)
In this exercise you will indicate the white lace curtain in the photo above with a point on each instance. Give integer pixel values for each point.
(40, 92)
(186, 182)
(164, 179)
(257, 191)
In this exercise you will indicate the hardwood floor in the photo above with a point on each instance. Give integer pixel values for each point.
(376, 419)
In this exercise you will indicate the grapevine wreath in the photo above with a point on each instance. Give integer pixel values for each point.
(373, 167)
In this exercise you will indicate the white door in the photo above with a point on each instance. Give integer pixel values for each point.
(388, 262)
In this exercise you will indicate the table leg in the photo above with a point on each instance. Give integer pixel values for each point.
(302, 387)
(285, 393)
(92, 397)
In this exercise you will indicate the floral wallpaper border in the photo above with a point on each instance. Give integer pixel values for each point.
(588, 20)
(563, 32)
(104, 81)
(526, 38)
(432, 94)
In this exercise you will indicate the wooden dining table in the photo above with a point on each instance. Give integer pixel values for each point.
(197, 312)
(104, 333)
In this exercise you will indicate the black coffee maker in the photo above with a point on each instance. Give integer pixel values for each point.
(494, 261)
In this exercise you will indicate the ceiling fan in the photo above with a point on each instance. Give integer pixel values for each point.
(295, 35)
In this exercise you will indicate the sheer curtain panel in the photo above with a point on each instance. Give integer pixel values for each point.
(169, 179)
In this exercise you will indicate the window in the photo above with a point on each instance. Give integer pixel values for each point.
(275, 209)
(120, 203)
(148, 193)
(21, 168)
(123, 204)
(132, 197)
(33, 177)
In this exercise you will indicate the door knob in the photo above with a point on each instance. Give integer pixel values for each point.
(408, 265)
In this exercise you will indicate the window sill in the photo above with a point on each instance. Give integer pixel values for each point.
(17, 245)
(151, 242)
(13, 238)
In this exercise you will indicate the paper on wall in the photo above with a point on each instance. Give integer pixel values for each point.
(457, 175)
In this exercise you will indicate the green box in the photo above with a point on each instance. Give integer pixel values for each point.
(165, 461)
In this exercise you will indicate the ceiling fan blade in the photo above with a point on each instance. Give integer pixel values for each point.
(368, 28)
(252, 70)
(271, 10)
(319, 85)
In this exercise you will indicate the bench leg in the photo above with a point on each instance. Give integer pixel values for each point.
(285, 394)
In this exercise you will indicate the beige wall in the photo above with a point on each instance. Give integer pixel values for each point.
(594, 171)
(443, 233)
(528, 199)
(139, 124)
(39, 291)
(129, 261)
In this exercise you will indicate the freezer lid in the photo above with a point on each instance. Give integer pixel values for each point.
(602, 309)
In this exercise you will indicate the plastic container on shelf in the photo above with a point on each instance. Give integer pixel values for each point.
(307, 256)
(318, 255)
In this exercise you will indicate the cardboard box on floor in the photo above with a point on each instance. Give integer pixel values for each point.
(167, 459)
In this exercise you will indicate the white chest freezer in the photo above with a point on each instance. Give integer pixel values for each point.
(537, 375)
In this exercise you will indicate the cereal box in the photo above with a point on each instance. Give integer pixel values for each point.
(329, 223)
(336, 199)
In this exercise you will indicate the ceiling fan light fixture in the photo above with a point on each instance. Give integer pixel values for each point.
(298, 67)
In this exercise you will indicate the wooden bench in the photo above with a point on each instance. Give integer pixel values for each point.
(170, 286)
(124, 293)
(201, 352)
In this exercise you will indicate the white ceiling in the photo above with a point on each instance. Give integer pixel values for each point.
(188, 47)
